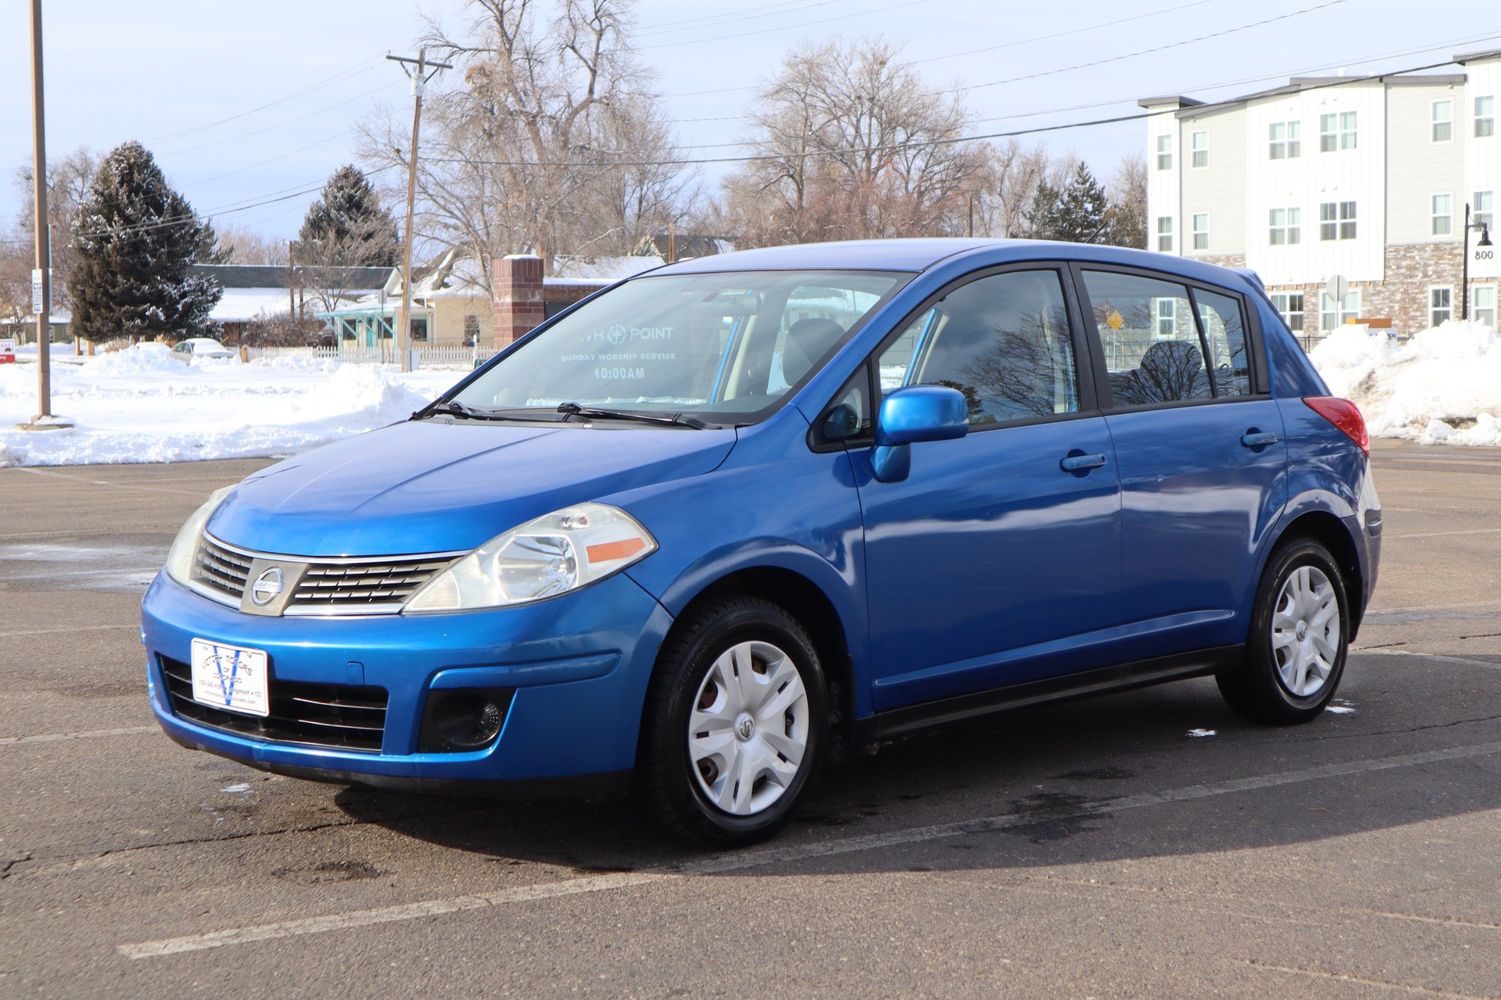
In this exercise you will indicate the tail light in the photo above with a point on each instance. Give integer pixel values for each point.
(1344, 415)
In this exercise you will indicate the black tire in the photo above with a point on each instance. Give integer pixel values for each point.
(1255, 689)
(667, 785)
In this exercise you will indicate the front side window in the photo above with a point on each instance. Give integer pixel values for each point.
(1289, 306)
(1002, 341)
(1201, 230)
(1485, 204)
(1440, 305)
(1200, 145)
(1337, 220)
(1165, 233)
(1484, 297)
(1336, 312)
(1284, 140)
(723, 347)
(1153, 349)
(1443, 214)
(1485, 117)
(1285, 226)
(1443, 120)
(1164, 152)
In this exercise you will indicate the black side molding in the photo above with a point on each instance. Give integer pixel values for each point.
(1105, 680)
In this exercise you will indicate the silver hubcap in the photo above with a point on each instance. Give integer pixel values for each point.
(1306, 631)
(748, 729)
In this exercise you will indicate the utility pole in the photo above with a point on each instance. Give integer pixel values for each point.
(43, 274)
(420, 71)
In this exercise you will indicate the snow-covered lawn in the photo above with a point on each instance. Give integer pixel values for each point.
(1443, 386)
(143, 405)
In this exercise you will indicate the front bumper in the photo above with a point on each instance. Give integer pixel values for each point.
(579, 665)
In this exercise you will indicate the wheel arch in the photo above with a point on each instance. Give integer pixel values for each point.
(1325, 527)
(814, 609)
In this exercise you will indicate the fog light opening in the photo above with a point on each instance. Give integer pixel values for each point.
(464, 720)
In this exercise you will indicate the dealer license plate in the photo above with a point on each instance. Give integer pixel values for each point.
(231, 677)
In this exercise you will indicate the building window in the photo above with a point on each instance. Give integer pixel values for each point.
(1485, 305)
(1333, 313)
(1285, 140)
(1164, 152)
(1199, 142)
(1286, 226)
(1336, 131)
(1337, 220)
(1440, 305)
(1166, 311)
(1289, 306)
(1443, 214)
(1165, 233)
(1443, 120)
(1201, 230)
(1485, 117)
(1484, 205)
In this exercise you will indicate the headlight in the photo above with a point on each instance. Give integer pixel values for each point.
(552, 555)
(185, 546)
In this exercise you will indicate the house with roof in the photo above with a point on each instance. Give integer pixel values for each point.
(260, 292)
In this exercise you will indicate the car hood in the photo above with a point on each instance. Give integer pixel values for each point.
(434, 486)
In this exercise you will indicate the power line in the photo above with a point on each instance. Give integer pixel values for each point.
(281, 124)
(363, 66)
(784, 27)
(271, 159)
(927, 143)
(715, 20)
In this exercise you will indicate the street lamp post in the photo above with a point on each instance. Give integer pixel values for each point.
(1464, 281)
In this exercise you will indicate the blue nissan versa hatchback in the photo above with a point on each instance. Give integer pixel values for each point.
(692, 532)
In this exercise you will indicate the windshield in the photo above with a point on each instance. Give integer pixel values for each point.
(724, 347)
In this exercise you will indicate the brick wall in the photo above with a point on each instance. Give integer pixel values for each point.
(516, 284)
(1410, 270)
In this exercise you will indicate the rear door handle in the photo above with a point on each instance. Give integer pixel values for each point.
(1254, 438)
(1081, 463)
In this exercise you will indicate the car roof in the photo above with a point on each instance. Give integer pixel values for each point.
(921, 254)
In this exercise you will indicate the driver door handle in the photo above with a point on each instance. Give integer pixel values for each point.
(1254, 438)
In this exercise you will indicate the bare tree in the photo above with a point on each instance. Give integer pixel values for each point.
(1008, 185)
(1128, 203)
(856, 146)
(68, 182)
(543, 147)
(244, 246)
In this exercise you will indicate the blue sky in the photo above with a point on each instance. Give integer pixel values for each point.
(170, 72)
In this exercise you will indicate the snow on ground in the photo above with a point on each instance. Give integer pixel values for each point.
(143, 405)
(1442, 386)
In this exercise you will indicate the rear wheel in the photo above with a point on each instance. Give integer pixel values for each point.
(734, 727)
(1295, 654)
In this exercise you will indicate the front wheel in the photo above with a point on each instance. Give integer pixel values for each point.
(1295, 654)
(734, 725)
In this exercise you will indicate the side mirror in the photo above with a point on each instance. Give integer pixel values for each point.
(915, 413)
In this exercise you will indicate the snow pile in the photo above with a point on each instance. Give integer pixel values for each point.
(1443, 386)
(143, 405)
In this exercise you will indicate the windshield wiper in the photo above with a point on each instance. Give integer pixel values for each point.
(672, 419)
(458, 409)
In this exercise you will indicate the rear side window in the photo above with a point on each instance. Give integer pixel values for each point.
(1002, 340)
(1158, 349)
(1225, 335)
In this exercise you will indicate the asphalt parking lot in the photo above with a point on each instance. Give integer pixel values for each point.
(1089, 849)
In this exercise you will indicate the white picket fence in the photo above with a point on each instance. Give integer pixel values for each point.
(427, 355)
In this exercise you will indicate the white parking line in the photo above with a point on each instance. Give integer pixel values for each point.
(1429, 656)
(1441, 534)
(68, 630)
(59, 737)
(746, 860)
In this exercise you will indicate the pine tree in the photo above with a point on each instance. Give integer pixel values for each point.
(1079, 212)
(135, 238)
(348, 225)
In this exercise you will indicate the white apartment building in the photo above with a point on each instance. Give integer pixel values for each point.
(1353, 184)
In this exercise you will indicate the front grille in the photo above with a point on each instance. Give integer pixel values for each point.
(341, 716)
(363, 585)
(221, 569)
(350, 586)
